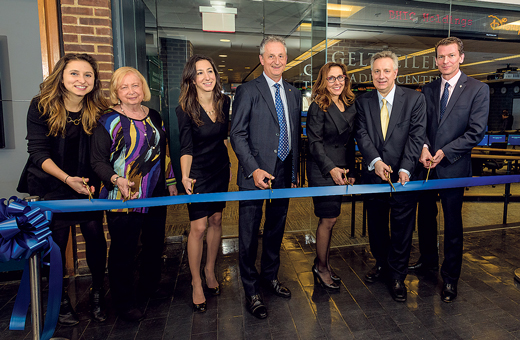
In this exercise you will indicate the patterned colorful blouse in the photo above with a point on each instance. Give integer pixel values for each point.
(133, 149)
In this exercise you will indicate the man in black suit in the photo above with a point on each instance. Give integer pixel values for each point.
(264, 135)
(457, 109)
(391, 124)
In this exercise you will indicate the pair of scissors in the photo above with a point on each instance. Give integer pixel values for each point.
(345, 173)
(388, 177)
(429, 168)
(88, 189)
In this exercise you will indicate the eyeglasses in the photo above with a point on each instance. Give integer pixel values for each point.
(332, 79)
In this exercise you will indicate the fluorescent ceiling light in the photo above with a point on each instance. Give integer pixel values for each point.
(223, 55)
(309, 53)
(225, 40)
(342, 11)
(508, 2)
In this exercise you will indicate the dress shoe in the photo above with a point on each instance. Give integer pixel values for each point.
(374, 274)
(278, 288)
(213, 291)
(97, 305)
(67, 316)
(419, 265)
(256, 307)
(317, 277)
(449, 292)
(132, 315)
(398, 290)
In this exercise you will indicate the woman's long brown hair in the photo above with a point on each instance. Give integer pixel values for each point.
(188, 97)
(322, 96)
(51, 99)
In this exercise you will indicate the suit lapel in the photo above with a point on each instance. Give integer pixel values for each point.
(397, 108)
(264, 90)
(459, 88)
(291, 103)
(375, 111)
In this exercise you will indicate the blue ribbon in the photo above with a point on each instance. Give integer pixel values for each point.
(62, 206)
(24, 230)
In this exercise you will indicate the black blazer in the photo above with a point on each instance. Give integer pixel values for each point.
(331, 137)
(255, 131)
(405, 135)
(462, 127)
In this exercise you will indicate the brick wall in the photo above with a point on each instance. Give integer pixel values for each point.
(87, 28)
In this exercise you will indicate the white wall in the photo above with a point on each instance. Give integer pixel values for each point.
(20, 74)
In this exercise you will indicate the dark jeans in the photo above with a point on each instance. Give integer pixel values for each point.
(124, 233)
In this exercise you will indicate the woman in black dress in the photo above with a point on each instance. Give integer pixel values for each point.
(203, 116)
(330, 125)
(60, 123)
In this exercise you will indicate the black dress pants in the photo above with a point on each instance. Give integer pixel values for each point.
(391, 246)
(124, 233)
(451, 201)
(250, 216)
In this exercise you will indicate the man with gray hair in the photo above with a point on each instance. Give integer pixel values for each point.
(390, 131)
(264, 136)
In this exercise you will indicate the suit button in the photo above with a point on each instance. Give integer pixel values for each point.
(275, 151)
(277, 134)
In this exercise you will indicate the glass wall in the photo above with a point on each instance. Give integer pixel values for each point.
(318, 31)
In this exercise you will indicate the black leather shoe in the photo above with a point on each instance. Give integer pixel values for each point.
(67, 316)
(278, 288)
(317, 277)
(256, 307)
(419, 265)
(398, 290)
(132, 315)
(374, 274)
(333, 275)
(97, 305)
(449, 292)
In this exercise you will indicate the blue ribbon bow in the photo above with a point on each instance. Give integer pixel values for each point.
(24, 230)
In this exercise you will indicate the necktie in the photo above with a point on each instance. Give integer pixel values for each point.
(385, 118)
(444, 99)
(283, 142)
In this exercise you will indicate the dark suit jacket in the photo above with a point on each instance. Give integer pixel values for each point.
(255, 131)
(331, 137)
(405, 135)
(462, 127)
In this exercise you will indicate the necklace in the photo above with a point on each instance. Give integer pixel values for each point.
(74, 121)
(209, 112)
(144, 124)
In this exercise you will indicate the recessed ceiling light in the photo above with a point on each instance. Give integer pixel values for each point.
(225, 40)
(247, 67)
(221, 65)
(220, 72)
(223, 55)
(230, 69)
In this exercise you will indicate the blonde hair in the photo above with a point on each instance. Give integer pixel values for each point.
(117, 78)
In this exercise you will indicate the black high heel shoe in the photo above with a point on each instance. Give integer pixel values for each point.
(333, 275)
(317, 277)
(199, 307)
(213, 291)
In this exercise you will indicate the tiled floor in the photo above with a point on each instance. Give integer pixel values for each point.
(488, 306)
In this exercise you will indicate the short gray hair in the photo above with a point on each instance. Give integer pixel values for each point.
(384, 54)
(271, 38)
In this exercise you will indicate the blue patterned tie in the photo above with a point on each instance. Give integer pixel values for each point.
(283, 142)
(444, 99)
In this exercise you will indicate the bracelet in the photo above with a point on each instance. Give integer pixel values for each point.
(114, 182)
(66, 178)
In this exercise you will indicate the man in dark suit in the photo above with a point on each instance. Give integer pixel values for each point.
(457, 113)
(265, 135)
(391, 124)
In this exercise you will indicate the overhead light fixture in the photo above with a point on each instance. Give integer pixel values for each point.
(218, 17)
(230, 69)
(312, 51)
(225, 40)
(221, 65)
(223, 55)
(247, 67)
(342, 11)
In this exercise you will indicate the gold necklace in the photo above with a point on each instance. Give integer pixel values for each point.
(209, 112)
(73, 121)
(144, 124)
